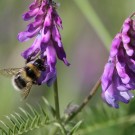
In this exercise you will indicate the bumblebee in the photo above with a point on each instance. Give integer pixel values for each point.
(24, 78)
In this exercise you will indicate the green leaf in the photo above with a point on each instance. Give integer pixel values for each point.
(15, 119)
(103, 118)
(26, 113)
(25, 121)
(51, 109)
(75, 128)
(3, 131)
(60, 127)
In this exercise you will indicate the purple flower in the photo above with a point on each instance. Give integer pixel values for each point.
(48, 39)
(119, 73)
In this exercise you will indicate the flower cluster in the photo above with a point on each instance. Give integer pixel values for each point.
(119, 73)
(48, 39)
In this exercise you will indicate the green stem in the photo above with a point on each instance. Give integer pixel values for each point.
(57, 108)
(95, 21)
(85, 101)
(56, 98)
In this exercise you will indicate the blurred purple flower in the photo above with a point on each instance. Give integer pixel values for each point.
(48, 39)
(119, 73)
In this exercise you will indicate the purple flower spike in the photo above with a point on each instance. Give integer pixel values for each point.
(48, 42)
(118, 78)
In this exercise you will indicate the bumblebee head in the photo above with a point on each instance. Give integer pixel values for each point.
(39, 63)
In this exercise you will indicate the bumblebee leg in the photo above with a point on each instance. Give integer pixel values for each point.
(26, 90)
(34, 82)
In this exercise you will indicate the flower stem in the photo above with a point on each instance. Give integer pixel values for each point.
(56, 98)
(85, 101)
(94, 20)
(57, 108)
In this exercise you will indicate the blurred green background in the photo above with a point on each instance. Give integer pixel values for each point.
(86, 52)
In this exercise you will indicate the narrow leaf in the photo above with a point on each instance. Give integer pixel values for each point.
(21, 118)
(75, 128)
(51, 109)
(15, 118)
(3, 131)
(25, 113)
(11, 121)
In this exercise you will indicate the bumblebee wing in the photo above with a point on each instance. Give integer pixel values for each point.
(26, 90)
(9, 72)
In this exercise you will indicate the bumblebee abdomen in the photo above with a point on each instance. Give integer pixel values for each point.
(19, 82)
